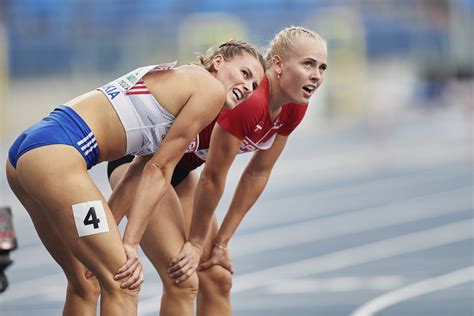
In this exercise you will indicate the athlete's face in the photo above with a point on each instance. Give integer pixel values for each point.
(240, 76)
(302, 70)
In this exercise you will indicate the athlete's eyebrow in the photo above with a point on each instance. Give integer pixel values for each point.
(249, 71)
(314, 61)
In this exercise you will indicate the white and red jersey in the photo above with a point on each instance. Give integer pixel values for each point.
(249, 121)
(144, 119)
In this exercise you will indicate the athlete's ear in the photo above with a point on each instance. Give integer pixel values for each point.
(217, 61)
(277, 64)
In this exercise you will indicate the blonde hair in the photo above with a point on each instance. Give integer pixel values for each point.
(283, 43)
(229, 50)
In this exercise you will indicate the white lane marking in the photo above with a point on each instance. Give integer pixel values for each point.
(340, 284)
(323, 166)
(387, 248)
(428, 206)
(416, 289)
(356, 196)
(149, 305)
(51, 282)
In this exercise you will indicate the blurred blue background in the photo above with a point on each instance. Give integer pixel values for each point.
(383, 158)
(423, 46)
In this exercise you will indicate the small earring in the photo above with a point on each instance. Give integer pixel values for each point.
(278, 75)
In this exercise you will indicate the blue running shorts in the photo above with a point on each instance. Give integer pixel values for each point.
(62, 126)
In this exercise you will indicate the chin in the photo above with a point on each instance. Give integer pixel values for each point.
(304, 100)
(230, 105)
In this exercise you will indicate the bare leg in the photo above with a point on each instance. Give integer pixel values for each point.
(162, 241)
(55, 177)
(82, 294)
(215, 283)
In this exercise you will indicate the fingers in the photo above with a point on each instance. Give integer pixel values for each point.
(177, 259)
(184, 265)
(135, 279)
(182, 270)
(189, 272)
(185, 270)
(205, 265)
(228, 266)
(127, 269)
(178, 265)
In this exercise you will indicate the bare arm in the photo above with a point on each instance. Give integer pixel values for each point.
(122, 195)
(209, 191)
(203, 105)
(250, 186)
(222, 151)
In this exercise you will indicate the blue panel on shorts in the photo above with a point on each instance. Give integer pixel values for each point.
(62, 126)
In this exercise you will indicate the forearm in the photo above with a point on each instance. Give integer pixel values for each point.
(207, 196)
(151, 188)
(124, 192)
(121, 199)
(250, 186)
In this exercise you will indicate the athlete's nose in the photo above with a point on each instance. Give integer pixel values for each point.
(248, 87)
(315, 76)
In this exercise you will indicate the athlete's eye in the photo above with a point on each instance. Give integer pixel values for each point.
(308, 64)
(245, 73)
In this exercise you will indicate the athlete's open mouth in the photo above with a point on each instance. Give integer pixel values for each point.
(309, 88)
(238, 94)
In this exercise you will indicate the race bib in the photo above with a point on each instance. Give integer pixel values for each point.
(90, 218)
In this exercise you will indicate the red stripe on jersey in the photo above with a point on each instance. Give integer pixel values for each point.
(138, 86)
(137, 92)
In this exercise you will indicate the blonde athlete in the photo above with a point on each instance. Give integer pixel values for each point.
(297, 59)
(47, 166)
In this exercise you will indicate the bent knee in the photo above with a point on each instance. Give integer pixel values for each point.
(113, 287)
(216, 278)
(85, 288)
(187, 287)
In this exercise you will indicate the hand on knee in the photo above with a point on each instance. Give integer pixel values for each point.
(113, 287)
(216, 279)
(188, 287)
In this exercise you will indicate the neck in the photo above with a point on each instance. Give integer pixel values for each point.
(275, 100)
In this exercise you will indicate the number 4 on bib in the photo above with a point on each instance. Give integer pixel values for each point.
(90, 218)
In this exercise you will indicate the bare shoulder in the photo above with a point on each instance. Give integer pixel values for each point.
(199, 80)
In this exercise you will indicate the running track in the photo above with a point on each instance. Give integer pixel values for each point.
(347, 226)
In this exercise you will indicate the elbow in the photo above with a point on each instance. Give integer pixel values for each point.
(155, 170)
(211, 179)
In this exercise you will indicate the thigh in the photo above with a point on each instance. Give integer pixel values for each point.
(117, 174)
(186, 192)
(46, 231)
(164, 236)
(56, 178)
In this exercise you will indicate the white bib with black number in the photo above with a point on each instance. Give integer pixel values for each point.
(90, 218)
